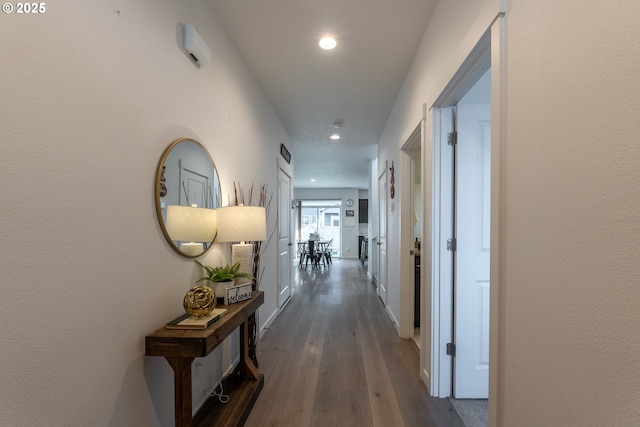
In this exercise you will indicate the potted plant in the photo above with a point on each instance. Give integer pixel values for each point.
(222, 277)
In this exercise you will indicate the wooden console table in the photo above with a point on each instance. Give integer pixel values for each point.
(181, 346)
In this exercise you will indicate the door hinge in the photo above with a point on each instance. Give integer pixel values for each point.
(452, 138)
(451, 245)
(451, 349)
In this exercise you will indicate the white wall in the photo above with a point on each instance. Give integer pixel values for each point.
(91, 96)
(90, 99)
(454, 29)
(570, 221)
(572, 227)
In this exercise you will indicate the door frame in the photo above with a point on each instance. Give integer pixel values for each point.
(284, 167)
(489, 52)
(441, 259)
(407, 276)
(382, 270)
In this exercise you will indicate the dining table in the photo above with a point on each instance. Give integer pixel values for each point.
(319, 248)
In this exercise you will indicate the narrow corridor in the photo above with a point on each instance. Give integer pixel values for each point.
(332, 358)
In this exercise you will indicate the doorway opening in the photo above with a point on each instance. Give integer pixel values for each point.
(461, 231)
(472, 235)
(412, 233)
(321, 217)
(416, 163)
(463, 249)
(383, 205)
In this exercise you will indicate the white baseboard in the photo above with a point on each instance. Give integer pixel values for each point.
(231, 368)
(393, 319)
(424, 376)
(268, 323)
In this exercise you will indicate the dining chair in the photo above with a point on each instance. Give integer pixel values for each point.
(311, 254)
(327, 251)
(302, 252)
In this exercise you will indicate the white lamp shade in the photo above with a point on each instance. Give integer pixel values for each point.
(190, 224)
(241, 223)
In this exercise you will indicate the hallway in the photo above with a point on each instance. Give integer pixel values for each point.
(333, 359)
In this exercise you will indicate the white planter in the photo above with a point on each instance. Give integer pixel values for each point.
(220, 288)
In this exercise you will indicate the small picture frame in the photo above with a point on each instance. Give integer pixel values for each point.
(286, 155)
(238, 293)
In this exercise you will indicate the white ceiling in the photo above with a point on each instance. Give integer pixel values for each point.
(310, 88)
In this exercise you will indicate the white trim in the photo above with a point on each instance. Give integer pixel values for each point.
(434, 384)
(441, 259)
(473, 67)
(405, 328)
(498, 227)
(383, 173)
(269, 322)
(286, 168)
(407, 275)
(426, 267)
(392, 318)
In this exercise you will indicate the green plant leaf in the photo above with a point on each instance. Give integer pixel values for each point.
(222, 274)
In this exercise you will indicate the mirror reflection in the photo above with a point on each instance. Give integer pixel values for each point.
(187, 192)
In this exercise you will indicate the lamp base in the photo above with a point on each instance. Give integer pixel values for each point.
(243, 253)
(192, 249)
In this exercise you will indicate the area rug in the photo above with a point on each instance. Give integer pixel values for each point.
(473, 412)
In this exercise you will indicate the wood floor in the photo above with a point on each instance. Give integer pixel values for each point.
(332, 358)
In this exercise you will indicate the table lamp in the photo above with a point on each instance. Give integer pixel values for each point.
(241, 224)
(191, 225)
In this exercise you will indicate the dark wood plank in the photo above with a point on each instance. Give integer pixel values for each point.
(242, 397)
(181, 381)
(356, 410)
(196, 342)
(332, 358)
(279, 378)
(298, 410)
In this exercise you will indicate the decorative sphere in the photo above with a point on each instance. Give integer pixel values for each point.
(199, 301)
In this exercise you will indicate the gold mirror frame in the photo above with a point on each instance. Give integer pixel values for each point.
(184, 164)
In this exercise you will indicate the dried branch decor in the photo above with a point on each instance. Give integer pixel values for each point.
(258, 248)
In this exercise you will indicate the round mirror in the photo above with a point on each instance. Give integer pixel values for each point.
(187, 192)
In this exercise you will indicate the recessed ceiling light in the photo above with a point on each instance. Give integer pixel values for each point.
(312, 180)
(327, 43)
(335, 136)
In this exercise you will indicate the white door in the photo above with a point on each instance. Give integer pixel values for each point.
(285, 237)
(193, 187)
(382, 236)
(471, 289)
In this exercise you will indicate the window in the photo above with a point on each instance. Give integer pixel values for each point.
(331, 219)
